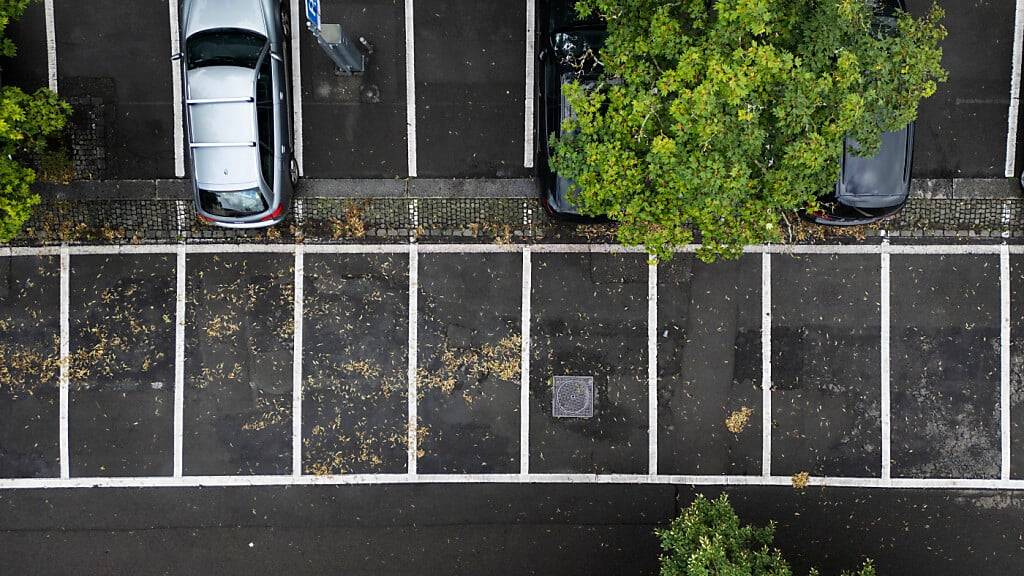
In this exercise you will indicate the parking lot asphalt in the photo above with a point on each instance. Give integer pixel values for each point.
(493, 529)
(355, 126)
(464, 65)
(961, 130)
(28, 69)
(116, 55)
(587, 314)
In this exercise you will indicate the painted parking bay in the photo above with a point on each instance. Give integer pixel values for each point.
(29, 373)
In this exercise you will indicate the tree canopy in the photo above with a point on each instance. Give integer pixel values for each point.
(708, 539)
(725, 114)
(26, 121)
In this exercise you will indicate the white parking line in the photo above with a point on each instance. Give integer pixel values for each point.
(65, 358)
(766, 364)
(296, 17)
(179, 125)
(412, 393)
(1004, 361)
(410, 86)
(51, 45)
(524, 366)
(531, 60)
(652, 368)
(366, 479)
(884, 327)
(297, 364)
(1015, 72)
(179, 360)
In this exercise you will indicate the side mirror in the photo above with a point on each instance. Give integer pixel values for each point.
(276, 56)
(542, 54)
(177, 56)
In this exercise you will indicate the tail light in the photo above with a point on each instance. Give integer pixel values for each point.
(273, 215)
(206, 219)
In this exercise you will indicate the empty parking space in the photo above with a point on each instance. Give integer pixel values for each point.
(355, 126)
(709, 366)
(470, 351)
(1017, 366)
(238, 364)
(354, 363)
(589, 318)
(826, 381)
(113, 59)
(945, 366)
(29, 371)
(121, 373)
(470, 69)
(961, 130)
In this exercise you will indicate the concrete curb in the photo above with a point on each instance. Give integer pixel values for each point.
(965, 188)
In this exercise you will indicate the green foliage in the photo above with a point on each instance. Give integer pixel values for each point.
(726, 114)
(707, 539)
(26, 121)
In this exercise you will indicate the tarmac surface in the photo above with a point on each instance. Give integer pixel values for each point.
(467, 77)
(488, 529)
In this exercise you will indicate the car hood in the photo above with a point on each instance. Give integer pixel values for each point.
(209, 14)
(230, 167)
(880, 181)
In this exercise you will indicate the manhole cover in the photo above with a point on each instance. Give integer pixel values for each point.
(573, 397)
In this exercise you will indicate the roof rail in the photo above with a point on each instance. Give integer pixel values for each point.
(219, 100)
(222, 144)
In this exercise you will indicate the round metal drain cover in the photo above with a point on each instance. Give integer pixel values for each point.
(573, 397)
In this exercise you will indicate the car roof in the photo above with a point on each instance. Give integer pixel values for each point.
(227, 157)
(881, 180)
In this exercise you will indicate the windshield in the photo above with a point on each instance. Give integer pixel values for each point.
(236, 203)
(224, 47)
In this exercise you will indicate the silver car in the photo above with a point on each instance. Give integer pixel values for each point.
(237, 107)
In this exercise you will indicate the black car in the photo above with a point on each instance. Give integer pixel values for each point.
(569, 53)
(873, 188)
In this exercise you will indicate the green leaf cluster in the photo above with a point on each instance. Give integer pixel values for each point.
(26, 121)
(726, 114)
(707, 539)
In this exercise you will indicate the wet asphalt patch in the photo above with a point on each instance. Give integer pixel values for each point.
(945, 366)
(470, 351)
(589, 318)
(709, 366)
(355, 363)
(29, 367)
(826, 356)
(238, 364)
(121, 373)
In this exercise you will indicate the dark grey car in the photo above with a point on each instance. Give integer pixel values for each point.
(237, 109)
(568, 55)
(870, 189)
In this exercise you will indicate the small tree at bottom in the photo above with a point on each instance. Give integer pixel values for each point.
(708, 539)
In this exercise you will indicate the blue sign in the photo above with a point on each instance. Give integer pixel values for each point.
(313, 13)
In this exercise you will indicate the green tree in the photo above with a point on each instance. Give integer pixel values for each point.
(708, 539)
(723, 115)
(26, 121)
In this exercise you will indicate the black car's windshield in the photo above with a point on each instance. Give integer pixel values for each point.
(224, 47)
(232, 204)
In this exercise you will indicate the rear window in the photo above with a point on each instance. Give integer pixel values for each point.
(234, 204)
(224, 47)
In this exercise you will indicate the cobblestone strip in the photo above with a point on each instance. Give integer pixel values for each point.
(492, 220)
